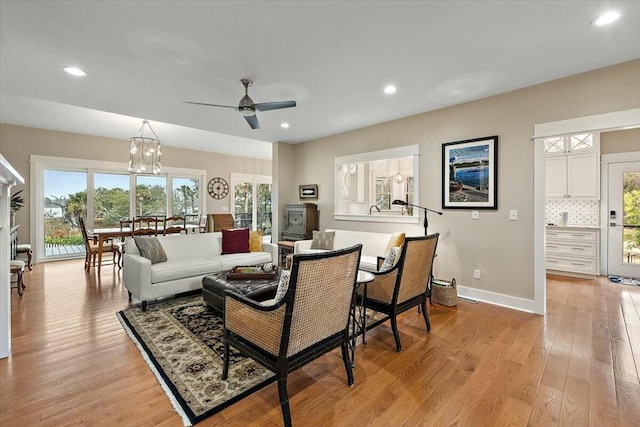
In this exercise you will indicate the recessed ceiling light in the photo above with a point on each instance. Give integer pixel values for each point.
(605, 19)
(74, 71)
(390, 89)
(284, 125)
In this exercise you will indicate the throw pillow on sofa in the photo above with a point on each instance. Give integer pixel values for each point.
(150, 248)
(323, 240)
(235, 241)
(396, 239)
(255, 241)
(391, 259)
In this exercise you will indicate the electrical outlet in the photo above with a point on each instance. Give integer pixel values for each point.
(513, 215)
(476, 274)
(225, 209)
(475, 214)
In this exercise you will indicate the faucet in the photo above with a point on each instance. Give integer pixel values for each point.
(373, 206)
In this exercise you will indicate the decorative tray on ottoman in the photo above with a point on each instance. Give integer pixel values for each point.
(253, 272)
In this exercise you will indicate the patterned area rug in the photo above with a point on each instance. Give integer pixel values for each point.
(181, 340)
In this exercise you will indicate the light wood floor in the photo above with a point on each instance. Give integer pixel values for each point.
(481, 365)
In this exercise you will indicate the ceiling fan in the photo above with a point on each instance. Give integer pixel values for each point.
(248, 108)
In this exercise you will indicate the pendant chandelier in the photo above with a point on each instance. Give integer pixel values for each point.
(398, 178)
(144, 153)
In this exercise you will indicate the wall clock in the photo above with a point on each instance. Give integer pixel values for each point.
(218, 188)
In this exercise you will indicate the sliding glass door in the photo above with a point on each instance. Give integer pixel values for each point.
(65, 199)
(252, 202)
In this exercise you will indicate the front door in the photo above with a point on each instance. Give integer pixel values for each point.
(623, 257)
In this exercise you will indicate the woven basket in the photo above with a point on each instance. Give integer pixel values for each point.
(444, 292)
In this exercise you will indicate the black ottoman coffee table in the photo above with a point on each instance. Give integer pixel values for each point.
(213, 288)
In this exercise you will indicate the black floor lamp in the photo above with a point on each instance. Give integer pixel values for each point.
(426, 210)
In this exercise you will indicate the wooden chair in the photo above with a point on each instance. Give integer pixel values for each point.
(311, 319)
(91, 248)
(405, 285)
(146, 223)
(171, 226)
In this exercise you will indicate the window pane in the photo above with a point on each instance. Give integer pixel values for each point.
(264, 209)
(554, 144)
(111, 199)
(243, 204)
(151, 196)
(65, 200)
(186, 198)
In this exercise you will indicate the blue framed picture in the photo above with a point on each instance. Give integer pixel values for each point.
(470, 174)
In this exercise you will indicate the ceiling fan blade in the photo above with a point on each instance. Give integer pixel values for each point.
(266, 106)
(210, 105)
(253, 121)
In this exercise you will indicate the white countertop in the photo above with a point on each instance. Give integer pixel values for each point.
(573, 227)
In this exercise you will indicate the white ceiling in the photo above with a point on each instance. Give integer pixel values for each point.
(143, 58)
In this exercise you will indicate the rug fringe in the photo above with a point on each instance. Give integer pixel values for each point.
(176, 406)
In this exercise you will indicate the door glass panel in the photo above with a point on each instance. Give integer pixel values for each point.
(186, 199)
(243, 205)
(383, 193)
(554, 144)
(65, 199)
(631, 217)
(151, 196)
(111, 199)
(582, 141)
(264, 209)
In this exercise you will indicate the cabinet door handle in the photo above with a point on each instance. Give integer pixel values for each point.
(578, 249)
(578, 263)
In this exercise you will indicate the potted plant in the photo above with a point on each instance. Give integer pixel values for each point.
(16, 202)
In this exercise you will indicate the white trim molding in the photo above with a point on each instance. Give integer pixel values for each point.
(502, 300)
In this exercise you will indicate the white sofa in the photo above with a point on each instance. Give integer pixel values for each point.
(190, 257)
(373, 245)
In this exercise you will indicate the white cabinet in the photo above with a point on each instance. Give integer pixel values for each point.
(573, 175)
(572, 251)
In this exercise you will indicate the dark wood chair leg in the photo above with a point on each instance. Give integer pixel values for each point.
(425, 314)
(284, 401)
(225, 366)
(347, 362)
(396, 334)
(29, 255)
(129, 292)
(144, 306)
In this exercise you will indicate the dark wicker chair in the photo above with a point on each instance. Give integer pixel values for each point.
(406, 284)
(311, 319)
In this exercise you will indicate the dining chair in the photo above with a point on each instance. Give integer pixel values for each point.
(92, 248)
(404, 285)
(309, 320)
(172, 226)
(146, 223)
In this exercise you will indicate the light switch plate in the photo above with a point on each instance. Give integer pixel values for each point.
(513, 215)
(475, 214)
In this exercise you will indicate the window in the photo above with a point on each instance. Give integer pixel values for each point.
(103, 194)
(251, 195)
(367, 184)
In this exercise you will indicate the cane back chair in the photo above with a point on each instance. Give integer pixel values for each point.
(311, 319)
(405, 285)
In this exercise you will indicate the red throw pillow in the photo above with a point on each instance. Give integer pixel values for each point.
(235, 241)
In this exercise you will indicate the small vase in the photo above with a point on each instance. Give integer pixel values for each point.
(12, 219)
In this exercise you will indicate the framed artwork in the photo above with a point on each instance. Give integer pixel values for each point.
(470, 174)
(308, 191)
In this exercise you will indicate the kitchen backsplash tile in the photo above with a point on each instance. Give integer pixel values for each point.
(581, 212)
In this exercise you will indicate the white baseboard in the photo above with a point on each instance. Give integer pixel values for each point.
(494, 298)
